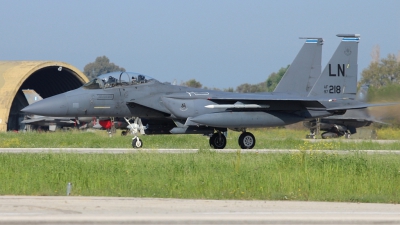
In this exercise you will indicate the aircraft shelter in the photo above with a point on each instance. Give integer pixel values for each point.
(47, 78)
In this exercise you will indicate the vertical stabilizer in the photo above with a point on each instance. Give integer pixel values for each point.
(339, 78)
(31, 96)
(305, 68)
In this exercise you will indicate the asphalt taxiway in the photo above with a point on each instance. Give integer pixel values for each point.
(112, 210)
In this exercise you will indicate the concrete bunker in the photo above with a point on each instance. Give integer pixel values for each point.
(47, 78)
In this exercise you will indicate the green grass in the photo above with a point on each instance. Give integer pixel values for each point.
(265, 139)
(356, 177)
(206, 175)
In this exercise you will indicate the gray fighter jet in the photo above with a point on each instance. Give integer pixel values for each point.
(209, 112)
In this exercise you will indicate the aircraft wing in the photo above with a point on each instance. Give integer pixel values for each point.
(291, 100)
(32, 120)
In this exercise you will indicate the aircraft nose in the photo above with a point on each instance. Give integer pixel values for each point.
(52, 106)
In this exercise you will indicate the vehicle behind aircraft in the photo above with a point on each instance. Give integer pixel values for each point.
(342, 125)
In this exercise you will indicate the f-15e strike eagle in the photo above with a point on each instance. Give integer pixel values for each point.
(200, 111)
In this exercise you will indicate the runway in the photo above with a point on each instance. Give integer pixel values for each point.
(112, 210)
(180, 151)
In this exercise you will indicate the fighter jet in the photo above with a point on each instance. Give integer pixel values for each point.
(209, 112)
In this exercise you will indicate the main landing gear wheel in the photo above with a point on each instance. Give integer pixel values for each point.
(136, 142)
(218, 141)
(327, 135)
(247, 140)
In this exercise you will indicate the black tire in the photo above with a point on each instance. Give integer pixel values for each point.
(327, 135)
(218, 141)
(137, 143)
(123, 133)
(247, 140)
(211, 141)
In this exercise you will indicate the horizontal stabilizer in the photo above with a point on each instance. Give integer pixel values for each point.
(361, 106)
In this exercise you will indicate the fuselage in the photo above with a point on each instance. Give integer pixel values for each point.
(131, 94)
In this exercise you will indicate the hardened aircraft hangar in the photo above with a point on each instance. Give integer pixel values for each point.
(47, 78)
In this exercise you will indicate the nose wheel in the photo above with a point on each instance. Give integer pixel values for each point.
(247, 140)
(136, 142)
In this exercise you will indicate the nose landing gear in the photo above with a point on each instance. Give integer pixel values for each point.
(136, 127)
(136, 142)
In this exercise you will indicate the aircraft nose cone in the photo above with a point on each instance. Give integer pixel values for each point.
(52, 106)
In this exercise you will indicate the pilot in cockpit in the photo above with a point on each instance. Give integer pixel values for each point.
(141, 79)
(110, 82)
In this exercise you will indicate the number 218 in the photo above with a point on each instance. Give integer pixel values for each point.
(334, 89)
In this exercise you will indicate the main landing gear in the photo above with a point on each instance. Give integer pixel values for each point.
(337, 131)
(246, 140)
(218, 140)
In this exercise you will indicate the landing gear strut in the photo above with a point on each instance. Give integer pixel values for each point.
(312, 134)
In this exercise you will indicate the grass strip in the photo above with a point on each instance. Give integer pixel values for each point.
(265, 139)
(356, 177)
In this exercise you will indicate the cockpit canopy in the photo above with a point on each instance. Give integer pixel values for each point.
(114, 79)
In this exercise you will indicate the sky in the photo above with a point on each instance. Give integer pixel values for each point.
(220, 43)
